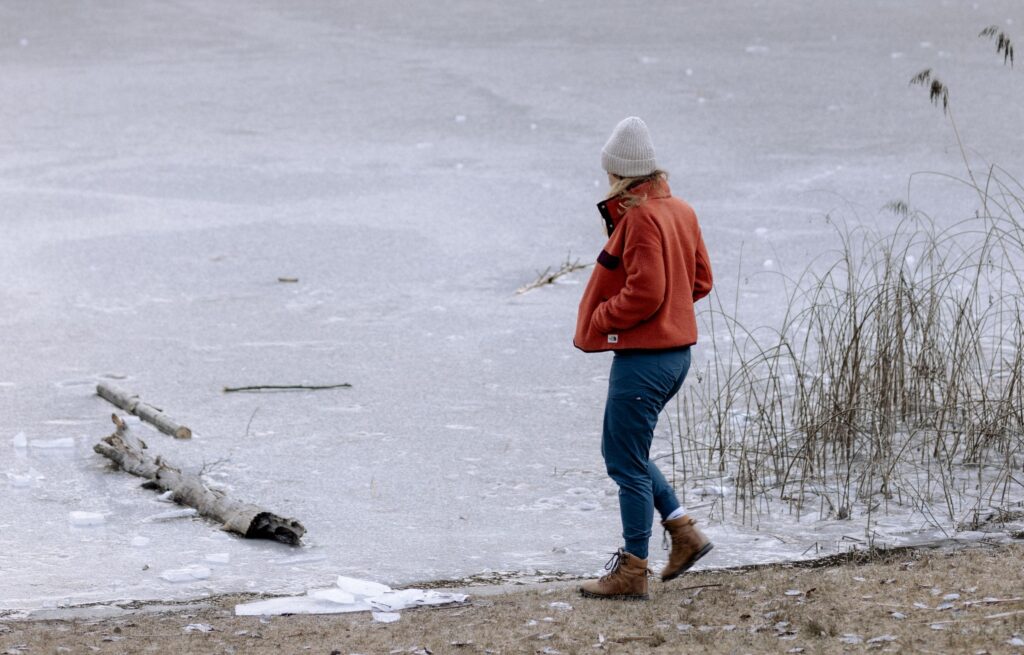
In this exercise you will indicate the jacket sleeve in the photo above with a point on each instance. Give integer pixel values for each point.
(702, 274)
(644, 291)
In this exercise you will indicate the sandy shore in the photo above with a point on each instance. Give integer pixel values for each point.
(925, 601)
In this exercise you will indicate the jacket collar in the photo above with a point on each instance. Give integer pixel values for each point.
(612, 210)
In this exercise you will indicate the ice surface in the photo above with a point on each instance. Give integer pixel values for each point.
(81, 519)
(20, 440)
(170, 515)
(218, 558)
(186, 574)
(165, 163)
(140, 542)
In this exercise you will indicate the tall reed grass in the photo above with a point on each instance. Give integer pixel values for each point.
(896, 375)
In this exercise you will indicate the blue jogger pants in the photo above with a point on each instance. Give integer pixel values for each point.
(639, 386)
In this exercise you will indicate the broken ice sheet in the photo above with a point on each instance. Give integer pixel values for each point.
(358, 587)
(350, 595)
(386, 617)
(339, 596)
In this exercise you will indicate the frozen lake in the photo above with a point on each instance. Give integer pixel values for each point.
(163, 164)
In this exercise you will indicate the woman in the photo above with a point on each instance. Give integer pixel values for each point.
(639, 304)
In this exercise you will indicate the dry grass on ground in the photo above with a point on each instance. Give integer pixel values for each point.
(971, 601)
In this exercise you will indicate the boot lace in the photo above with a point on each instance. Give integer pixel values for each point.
(612, 565)
(615, 563)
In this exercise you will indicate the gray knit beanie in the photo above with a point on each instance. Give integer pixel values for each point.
(629, 152)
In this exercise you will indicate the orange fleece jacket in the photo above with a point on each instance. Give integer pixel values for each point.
(647, 278)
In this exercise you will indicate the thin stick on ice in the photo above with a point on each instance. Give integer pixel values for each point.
(132, 455)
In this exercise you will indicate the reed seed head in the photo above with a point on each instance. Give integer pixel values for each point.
(1004, 46)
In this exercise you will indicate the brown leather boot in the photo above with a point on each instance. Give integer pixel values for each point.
(626, 579)
(688, 545)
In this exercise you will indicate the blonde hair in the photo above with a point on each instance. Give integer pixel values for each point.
(623, 185)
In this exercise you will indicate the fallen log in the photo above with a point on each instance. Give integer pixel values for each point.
(131, 454)
(132, 404)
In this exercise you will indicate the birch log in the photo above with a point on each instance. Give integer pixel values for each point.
(131, 454)
(132, 404)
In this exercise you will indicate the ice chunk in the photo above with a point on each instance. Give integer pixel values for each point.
(361, 588)
(198, 627)
(66, 442)
(85, 519)
(399, 600)
(19, 480)
(140, 542)
(218, 558)
(20, 440)
(187, 574)
(386, 617)
(173, 514)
